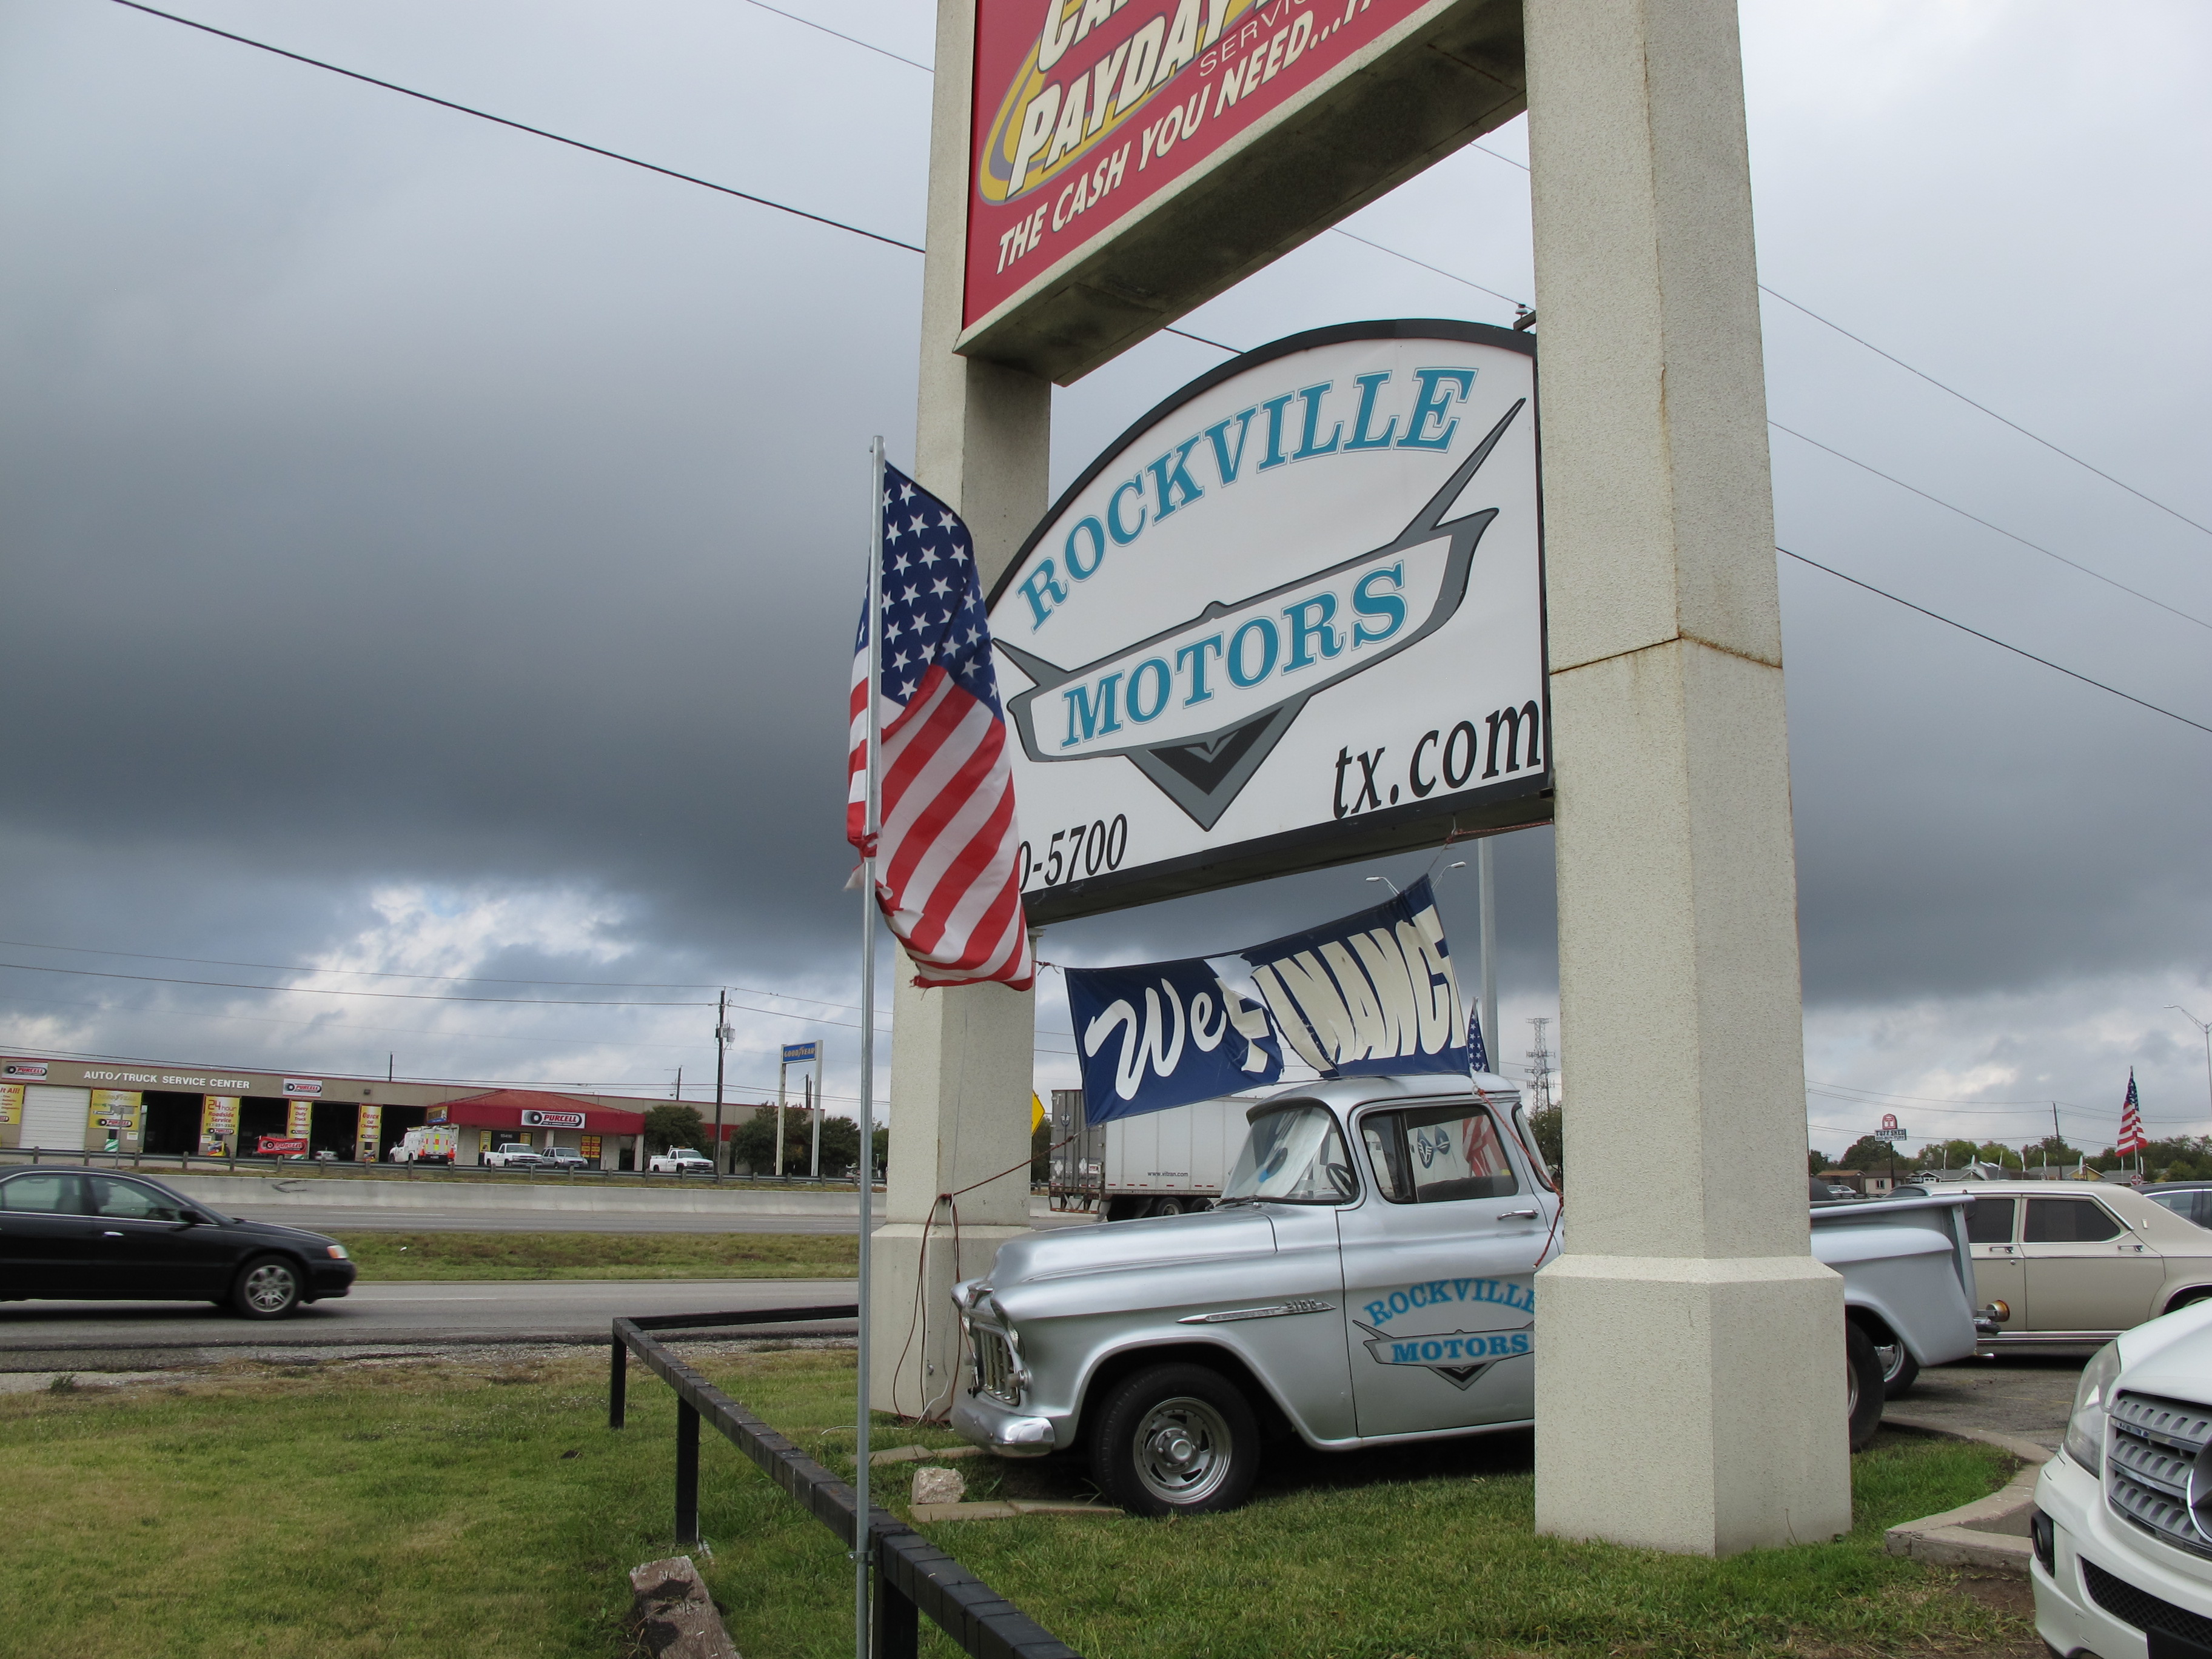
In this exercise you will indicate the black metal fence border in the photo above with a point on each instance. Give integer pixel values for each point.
(912, 1576)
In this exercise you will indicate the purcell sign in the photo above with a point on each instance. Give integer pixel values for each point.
(1293, 617)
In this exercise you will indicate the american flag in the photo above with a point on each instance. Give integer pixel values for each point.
(1478, 1053)
(946, 852)
(2131, 1135)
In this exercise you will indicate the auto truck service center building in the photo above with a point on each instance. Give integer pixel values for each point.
(71, 1106)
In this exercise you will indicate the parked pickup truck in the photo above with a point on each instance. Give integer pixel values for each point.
(517, 1155)
(1352, 1297)
(679, 1160)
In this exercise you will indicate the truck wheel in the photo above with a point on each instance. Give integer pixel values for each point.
(1899, 1369)
(268, 1287)
(1175, 1440)
(1864, 1397)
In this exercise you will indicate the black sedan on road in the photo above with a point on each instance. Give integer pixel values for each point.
(85, 1234)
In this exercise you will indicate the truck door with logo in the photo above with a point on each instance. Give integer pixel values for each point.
(1440, 1255)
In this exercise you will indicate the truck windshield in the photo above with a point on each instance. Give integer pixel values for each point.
(1295, 1155)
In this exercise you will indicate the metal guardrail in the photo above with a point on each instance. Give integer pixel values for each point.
(290, 1166)
(911, 1575)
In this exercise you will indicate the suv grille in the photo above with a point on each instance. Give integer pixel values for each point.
(2156, 1445)
(994, 1365)
(2144, 1610)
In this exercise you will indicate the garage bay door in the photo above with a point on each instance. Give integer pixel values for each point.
(54, 1119)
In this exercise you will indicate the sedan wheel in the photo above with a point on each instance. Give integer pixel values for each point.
(269, 1288)
(1175, 1440)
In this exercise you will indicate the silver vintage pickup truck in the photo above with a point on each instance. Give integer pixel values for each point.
(1368, 1277)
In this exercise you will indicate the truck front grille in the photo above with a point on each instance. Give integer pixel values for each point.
(2156, 1445)
(994, 1366)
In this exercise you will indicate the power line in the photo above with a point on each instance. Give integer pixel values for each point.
(1924, 374)
(1987, 410)
(1874, 1097)
(1993, 640)
(1438, 270)
(520, 126)
(911, 247)
(852, 40)
(835, 224)
(333, 991)
(383, 973)
(470, 979)
(1976, 517)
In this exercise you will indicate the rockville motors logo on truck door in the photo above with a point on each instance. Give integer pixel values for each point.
(1458, 1356)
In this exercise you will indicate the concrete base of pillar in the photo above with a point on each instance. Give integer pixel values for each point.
(1732, 1435)
(915, 1364)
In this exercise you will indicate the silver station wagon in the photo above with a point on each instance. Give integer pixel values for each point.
(1368, 1277)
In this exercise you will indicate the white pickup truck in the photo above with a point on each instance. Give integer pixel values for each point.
(1368, 1277)
(517, 1155)
(679, 1160)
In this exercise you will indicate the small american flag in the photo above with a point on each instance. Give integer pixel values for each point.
(946, 852)
(1478, 1053)
(2131, 1133)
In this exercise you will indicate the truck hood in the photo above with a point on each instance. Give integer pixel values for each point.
(1071, 1252)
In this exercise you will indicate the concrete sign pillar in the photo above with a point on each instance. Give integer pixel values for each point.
(1690, 1382)
(962, 1060)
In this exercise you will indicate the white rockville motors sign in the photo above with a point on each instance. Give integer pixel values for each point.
(1294, 617)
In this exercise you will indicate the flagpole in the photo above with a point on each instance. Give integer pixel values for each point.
(864, 1537)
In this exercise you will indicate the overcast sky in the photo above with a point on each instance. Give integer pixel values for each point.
(433, 550)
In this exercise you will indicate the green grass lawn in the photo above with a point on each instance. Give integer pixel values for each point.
(403, 1508)
(455, 1256)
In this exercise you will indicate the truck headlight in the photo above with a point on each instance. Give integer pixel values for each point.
(2085, 1429)
(337, 1252)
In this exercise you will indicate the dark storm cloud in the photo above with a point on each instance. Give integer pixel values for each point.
(393, 500)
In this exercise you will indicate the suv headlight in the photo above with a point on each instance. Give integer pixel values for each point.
(2085, 1429)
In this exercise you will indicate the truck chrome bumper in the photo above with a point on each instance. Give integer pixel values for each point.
(1007, 1433)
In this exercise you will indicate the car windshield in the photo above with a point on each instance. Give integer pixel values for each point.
(1294, 1155)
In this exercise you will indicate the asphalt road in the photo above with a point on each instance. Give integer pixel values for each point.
(341, 1218)
(43, 1336)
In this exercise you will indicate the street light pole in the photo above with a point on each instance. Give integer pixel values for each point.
(2204, 1029)
(722, 1035)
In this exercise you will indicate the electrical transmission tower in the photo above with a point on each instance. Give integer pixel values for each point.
(1539, 1068)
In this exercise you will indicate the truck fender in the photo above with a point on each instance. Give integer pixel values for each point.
(1275, 1420)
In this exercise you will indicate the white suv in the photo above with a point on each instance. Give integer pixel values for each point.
(2123, 1527)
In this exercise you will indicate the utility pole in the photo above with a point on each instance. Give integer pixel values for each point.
(722, 1035)
(1485, 885)
(2204, 1029)
(678, 1095)
(782, 1070)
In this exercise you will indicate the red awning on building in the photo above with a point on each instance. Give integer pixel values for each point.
(534, 1109)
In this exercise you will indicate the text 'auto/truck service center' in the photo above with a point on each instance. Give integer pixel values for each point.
(69, 1106)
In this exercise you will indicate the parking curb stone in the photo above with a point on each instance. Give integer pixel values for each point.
(1960, 1537)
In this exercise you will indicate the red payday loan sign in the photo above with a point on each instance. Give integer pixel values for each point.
(1085, 109)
